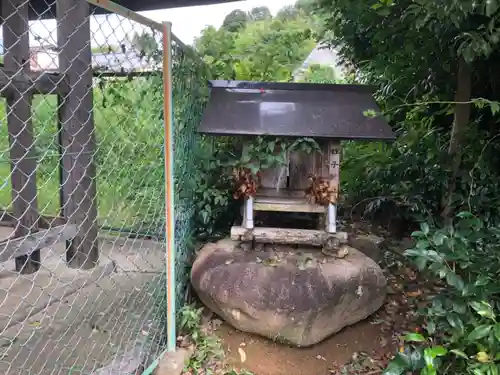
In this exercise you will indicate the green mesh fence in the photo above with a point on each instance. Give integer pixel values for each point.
(190, 93)
(65, 318)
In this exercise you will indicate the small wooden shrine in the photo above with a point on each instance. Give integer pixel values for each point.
(327, 113)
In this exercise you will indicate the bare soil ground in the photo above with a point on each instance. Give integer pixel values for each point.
(264, 357)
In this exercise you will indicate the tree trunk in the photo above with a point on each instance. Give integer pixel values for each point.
(460, 122)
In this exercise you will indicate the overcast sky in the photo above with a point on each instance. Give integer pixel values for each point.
(187, 23)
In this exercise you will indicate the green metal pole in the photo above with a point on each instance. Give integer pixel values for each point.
(169, 184)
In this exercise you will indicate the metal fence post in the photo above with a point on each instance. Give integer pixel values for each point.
(88, 112)
(169, 184)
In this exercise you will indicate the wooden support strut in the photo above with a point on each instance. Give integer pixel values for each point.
(305, 237)
(20, 128)
(27, 245)
(77, 138)
(12, 82)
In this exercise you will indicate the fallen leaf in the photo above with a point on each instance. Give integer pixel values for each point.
(216, 323)
(342, 252)
(271, 261)
(414, 294)
(243, 355)
(359, 291)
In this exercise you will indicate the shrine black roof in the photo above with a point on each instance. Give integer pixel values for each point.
(293, 109)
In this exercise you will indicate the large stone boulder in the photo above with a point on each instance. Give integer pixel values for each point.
(368, 244)
(296, 296)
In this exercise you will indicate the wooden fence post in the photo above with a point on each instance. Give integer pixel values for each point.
(79, 193)
(20, 128)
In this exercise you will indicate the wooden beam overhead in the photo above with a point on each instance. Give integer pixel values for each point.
(20, 82)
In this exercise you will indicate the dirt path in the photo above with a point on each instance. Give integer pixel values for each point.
(264, 357)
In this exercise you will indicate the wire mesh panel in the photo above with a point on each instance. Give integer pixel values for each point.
(190, 95)
(82, 250)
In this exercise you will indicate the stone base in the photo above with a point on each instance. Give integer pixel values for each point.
(298, 296)
(173, 363)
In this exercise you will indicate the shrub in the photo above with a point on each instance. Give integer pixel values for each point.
(462, 332)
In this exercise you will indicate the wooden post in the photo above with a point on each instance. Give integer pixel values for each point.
(20, 128)
(77, 132)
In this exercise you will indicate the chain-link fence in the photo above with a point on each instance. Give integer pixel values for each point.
(82, 247)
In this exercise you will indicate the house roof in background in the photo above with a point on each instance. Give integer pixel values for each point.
(45, 9)
(129, 61)
(124, 62)
(293, 109)
(321, 55)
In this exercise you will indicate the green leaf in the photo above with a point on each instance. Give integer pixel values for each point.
(424, 227)
(455, 321)
(438, 351)
(465, 215)
(497, 331)
(428, 371)
(416, 360)
(491, 7)
(459, 353)
(384, 12)
(455, 280)
(370, 113)
(438, 238)
(459, 307)
(398, 365)
(418, 233)
(482, 280)
(428, 358)
(414, 337)
(420, 262)
(483, 309)
(254, 167)
(394, 369)
(430, 327)
(495, 108)
(479, 332)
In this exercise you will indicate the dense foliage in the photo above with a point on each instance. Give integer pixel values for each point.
(434, 64)
(444, 58)
(261, 48)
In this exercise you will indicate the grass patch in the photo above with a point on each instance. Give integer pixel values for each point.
(128, 156)
(208, 357)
